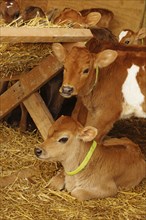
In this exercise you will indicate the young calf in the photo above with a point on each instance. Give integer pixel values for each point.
(74, 18)
(129, 37)
(92, 170)
(9, 10)
(111, 84)
(106, 16)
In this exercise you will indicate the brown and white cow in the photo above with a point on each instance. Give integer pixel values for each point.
(111, 84)
(112, 164)
(129, 37)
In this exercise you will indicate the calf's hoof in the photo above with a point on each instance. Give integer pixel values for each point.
(57, 182)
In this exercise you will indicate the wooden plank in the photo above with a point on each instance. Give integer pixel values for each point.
(25, 34)
(39, 113)
(28, 83)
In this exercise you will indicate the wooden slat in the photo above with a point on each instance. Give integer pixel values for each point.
(39, 113)
(25, 34)
(28, 83)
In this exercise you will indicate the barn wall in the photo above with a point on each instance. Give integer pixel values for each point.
(128, 14)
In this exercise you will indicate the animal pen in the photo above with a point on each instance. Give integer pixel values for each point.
(26, 65)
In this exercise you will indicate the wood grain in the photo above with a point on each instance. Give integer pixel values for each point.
(25, 34)
(39, 113)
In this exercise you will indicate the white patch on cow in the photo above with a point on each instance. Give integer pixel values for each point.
(122, 34)
(133, 98)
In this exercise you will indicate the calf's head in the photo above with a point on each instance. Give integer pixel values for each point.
(130, 37)
(31, 12)
(64, 139)
(9, 10)
(80, 67)
(74, 18)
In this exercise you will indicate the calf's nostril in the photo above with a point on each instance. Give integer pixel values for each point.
(67, 89)
(37, 151)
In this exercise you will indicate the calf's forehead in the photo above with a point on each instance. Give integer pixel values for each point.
(64, 123)
(78, 57)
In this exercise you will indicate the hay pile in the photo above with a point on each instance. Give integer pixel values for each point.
(30, 198)
(19, 58)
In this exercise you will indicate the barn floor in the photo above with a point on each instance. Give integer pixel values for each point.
(28, 197)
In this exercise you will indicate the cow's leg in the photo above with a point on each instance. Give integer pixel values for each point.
(23, 120)
(80, 112)
(3, 86)
(76, 110)
(97, 192)
(57, 182)
(56, 105)
(102, 121)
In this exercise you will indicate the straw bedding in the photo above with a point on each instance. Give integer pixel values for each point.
(24, 180)
(19, 58)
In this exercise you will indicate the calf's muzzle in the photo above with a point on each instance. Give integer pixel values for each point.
(66, 91)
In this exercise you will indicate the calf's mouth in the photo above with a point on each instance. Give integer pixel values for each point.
(66, 91)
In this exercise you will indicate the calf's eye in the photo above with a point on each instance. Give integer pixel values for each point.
(127, 42)
(63, 140)
(86, 70)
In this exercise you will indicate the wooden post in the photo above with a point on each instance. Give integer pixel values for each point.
(39, 113)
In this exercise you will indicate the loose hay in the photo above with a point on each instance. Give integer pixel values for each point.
(31, 199)
(16, 59)
(19, 58)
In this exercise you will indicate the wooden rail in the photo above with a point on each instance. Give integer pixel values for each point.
(26, 34)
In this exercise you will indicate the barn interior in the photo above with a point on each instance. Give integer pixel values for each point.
(24, 180)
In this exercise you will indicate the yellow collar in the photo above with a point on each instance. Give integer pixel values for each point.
(85, 161)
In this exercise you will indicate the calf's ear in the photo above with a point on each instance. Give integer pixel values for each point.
(59, 51)
(105, 58)
(93, 18)
(141, 34)
(88, 133)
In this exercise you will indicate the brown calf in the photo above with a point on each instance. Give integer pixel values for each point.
(31, 12)
(106, 16)
(111, 84)
(9, 10)
(114, 163)
(128, 36)
(75, 19)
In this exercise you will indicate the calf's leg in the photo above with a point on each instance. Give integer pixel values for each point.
(57, 182)
(80, 112)
(97, 192)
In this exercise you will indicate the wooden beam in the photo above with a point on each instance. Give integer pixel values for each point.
(28, 84)
(39, 113)
(26, 34)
